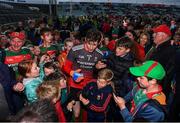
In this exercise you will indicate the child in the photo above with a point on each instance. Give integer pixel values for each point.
(119, 62)
(47, 45)
(32, 77)
(146, 96)
(96, 96)
(52, 73)
(39, 111)
(104, 47)
(51, 90)
(49, 68)
(57, 40)
(68, 44)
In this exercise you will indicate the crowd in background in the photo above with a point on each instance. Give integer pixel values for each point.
(86, 68)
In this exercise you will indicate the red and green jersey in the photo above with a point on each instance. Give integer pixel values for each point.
(51, 51)
(13, 58)
(139, 97)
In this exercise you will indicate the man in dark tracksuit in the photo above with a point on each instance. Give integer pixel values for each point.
(14, 101)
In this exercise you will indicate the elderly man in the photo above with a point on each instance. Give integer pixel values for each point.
(164, 53)
(15, 53)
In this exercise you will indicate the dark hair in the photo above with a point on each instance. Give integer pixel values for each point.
(50, 65)
(44, 30)
(40, 111)
(93, 35)
(124, 42)
(54, 76)
(133, 33)
(24, 67)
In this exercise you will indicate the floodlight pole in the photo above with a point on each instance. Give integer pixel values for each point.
(50, 8)
(56, 4)
(70, 11)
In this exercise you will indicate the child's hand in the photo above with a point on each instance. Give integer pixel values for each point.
(18, 87)
(43, 58)
(119, 101)
(83, 100)
(70, 105)
(100, 65)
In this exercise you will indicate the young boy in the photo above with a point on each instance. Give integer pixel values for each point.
(80, 64)
(57, 40)
(119, 62)
(146, 96)
(47, 45)
(68, 44)
(96, 96)
(52, 73)
(50, 90)
(103, 47)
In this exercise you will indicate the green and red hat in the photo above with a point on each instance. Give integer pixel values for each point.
(150, 69)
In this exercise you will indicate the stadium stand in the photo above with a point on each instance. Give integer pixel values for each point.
(13, 12)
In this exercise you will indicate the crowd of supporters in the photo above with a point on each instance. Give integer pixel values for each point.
(91, 68)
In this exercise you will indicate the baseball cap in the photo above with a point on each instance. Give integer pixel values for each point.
(19, 35)
(150, 69)
(162, 28)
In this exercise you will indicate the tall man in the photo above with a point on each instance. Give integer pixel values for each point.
(80, 64)
(164, 53)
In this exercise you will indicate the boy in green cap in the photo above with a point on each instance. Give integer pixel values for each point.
(146, 97)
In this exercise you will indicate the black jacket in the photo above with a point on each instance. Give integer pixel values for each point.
(165, 55)
(120, 67)
(13, 98)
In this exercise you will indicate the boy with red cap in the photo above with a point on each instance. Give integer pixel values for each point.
(146, 97)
